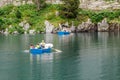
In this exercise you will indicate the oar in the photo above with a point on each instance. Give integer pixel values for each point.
(26, 51)
(56, 50)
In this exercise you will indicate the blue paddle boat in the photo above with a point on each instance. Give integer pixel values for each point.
(63, 33)
(40, 51)
(47, 49)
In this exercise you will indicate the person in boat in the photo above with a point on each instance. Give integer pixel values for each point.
(37, 46)
(31, 46)
(64, 30)
(42, 44)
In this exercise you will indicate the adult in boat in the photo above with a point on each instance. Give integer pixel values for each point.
(48, 45)
(42, 44)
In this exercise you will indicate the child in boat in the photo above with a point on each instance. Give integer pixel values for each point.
(37, 46)
(31, 46)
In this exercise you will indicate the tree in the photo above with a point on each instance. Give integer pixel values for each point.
(70, 8)
(18, 14)
(40, 4)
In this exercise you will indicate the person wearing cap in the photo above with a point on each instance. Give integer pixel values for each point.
(42, 44)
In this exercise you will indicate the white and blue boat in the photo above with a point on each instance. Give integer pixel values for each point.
(40, 51)
(47, 49)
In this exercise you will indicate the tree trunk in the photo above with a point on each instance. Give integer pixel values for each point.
(38, 4)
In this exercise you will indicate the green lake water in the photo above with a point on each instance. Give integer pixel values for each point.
(84, 56)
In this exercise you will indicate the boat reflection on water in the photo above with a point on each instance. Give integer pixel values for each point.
(45, 56)
(39, 57)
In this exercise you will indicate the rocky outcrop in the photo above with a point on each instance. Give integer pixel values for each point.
(25, 26)
(6, 31)
(114, 27)
(100, 5)
(87, 27)
(103, 26)
(54, 1)
(49, 27)
(15, 2)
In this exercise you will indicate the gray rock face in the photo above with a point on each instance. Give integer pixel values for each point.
(57, 13)
(87, 27)
(62, 27)
(15, 32)
(49, 27)
(25, 25)
(73, 29)
(103, 26)
(31, 31)
(55, 30)
(100, 5)
(6, 31)
(14, 2)
(114, 27)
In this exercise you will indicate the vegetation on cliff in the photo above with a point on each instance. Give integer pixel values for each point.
(13, 15)
(97, 16)
(69, 9)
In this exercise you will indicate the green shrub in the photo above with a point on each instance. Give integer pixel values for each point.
(16, 28)
(18, 14)
(6, 10)
(70, 8)
(99, 15)
(1, 24)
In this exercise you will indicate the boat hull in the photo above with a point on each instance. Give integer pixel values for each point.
(63, 33)
(40, 51)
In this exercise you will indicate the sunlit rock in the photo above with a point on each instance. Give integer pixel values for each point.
(57, 13)
(31, 31)
(6, 31)
(30, 2)
(26, 26)
(100, 5)
(48, 26)
(60, 26)
(72, 28)
(21, 24)
(23, 2)
(15, 32)
(103, 26)
(66, 24)
(16, 3)
(10, 26)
